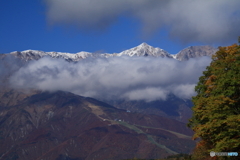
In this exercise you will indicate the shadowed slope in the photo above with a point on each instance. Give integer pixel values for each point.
(62, 125)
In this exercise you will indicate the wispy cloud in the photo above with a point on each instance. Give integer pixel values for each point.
(215, 21)
(133, 78)
(8, 66)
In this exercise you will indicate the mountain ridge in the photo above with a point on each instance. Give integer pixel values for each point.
(141, 50)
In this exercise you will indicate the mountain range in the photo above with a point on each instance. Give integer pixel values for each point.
(140, 50)
(60, 125)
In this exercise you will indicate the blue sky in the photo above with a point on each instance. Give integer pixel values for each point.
(52, 25)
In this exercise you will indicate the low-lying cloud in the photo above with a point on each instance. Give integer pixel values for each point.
(206, 21)
(131, 78)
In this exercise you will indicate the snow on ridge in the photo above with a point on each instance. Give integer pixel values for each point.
(72, 56)
(141, 50)
(174, 56)
(36, 54)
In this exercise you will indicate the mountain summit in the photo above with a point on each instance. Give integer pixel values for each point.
(145, 50)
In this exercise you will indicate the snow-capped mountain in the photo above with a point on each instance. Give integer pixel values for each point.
(146, 50)
(140, 50)
(35, 55)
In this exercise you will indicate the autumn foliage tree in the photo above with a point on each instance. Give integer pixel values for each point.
(216, 111)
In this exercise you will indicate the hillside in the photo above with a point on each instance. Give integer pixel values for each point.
(62, 125)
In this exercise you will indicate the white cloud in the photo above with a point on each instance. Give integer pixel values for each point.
(134, 78)
(207, 21)
(147, 94)
(183, 90)
(8, 65)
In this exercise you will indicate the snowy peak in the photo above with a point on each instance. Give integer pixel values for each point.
(144, 45)
(145, 50)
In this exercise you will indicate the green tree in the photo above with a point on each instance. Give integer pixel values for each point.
(216, 110)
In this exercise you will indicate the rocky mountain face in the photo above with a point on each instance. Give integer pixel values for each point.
(141, 50)
(64, 126)
(194, 52)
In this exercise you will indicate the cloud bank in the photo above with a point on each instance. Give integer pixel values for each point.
(130, 78)
(206, 21)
